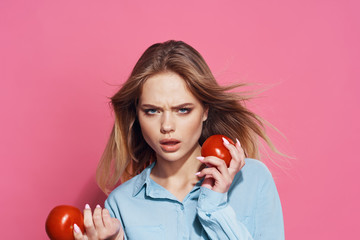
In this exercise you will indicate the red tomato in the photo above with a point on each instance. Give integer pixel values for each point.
(214, 146)
(60, 222)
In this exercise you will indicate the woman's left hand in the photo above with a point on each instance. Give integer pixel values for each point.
(218, 177)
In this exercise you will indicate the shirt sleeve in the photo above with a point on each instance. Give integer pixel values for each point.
(269, 223)
(218, 218)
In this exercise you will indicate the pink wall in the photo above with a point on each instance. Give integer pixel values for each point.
(60, 61)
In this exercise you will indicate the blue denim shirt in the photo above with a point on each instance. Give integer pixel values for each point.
(251, 208)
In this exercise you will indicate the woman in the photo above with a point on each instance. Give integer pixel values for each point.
(163, 113)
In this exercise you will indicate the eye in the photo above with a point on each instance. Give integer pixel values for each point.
(184, 110)
(150, 111)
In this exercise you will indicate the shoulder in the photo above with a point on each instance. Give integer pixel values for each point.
(130, 188)
(256, 172)
(255, 167)
(122, 197)
(125, 189)
(253, 173)
(255, 181)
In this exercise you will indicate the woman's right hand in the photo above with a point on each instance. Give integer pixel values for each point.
(99, 225)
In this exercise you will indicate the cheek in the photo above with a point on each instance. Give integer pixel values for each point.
(149, 132)
(145, 128)
(192, 128)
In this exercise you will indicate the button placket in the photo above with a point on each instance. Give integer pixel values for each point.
(183, 231)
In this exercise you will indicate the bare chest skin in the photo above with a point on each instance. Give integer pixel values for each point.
(177, 188)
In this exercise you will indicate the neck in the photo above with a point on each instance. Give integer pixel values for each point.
(181, 169)
(178, 177)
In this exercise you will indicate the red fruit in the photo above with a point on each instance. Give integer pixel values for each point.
(60, 222)
(214, 146)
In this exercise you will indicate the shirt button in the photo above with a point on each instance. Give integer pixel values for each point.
(182, 207)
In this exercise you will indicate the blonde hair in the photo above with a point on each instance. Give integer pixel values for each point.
(127, 153)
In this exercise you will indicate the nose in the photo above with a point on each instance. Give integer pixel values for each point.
(167, 123)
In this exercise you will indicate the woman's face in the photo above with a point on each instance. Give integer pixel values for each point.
(170, 117)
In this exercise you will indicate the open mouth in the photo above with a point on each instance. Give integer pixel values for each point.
(170, 145)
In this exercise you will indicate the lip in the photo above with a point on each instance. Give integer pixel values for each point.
(170, 144)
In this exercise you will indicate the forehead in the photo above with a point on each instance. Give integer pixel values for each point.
(166, 88)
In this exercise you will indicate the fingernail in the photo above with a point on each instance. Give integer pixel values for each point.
(76, 228)
(200, 158)
(225, 141)
(98, 206)
(197, 173)
(238, 142)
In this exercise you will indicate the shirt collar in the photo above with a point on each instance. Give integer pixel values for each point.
(144, 178)
(152, 189)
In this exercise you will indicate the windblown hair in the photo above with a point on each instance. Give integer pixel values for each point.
(127, 153)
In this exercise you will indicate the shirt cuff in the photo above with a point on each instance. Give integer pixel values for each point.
(210, 201)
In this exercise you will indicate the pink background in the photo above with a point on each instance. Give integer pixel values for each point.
(61, 60)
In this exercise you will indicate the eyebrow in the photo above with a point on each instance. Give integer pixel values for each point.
(174, 107)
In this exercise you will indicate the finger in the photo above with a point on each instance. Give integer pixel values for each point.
(106, 218)
(239, 145)
(234, 151)
(77, 233)
(242, 152)
(97, 218)
(88, 222)
(111, 224)
(237, 154)
(216, 162)
(210, 173)
(215, 180)
(208, 183)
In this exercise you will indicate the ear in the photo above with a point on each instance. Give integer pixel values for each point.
(206, 112)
